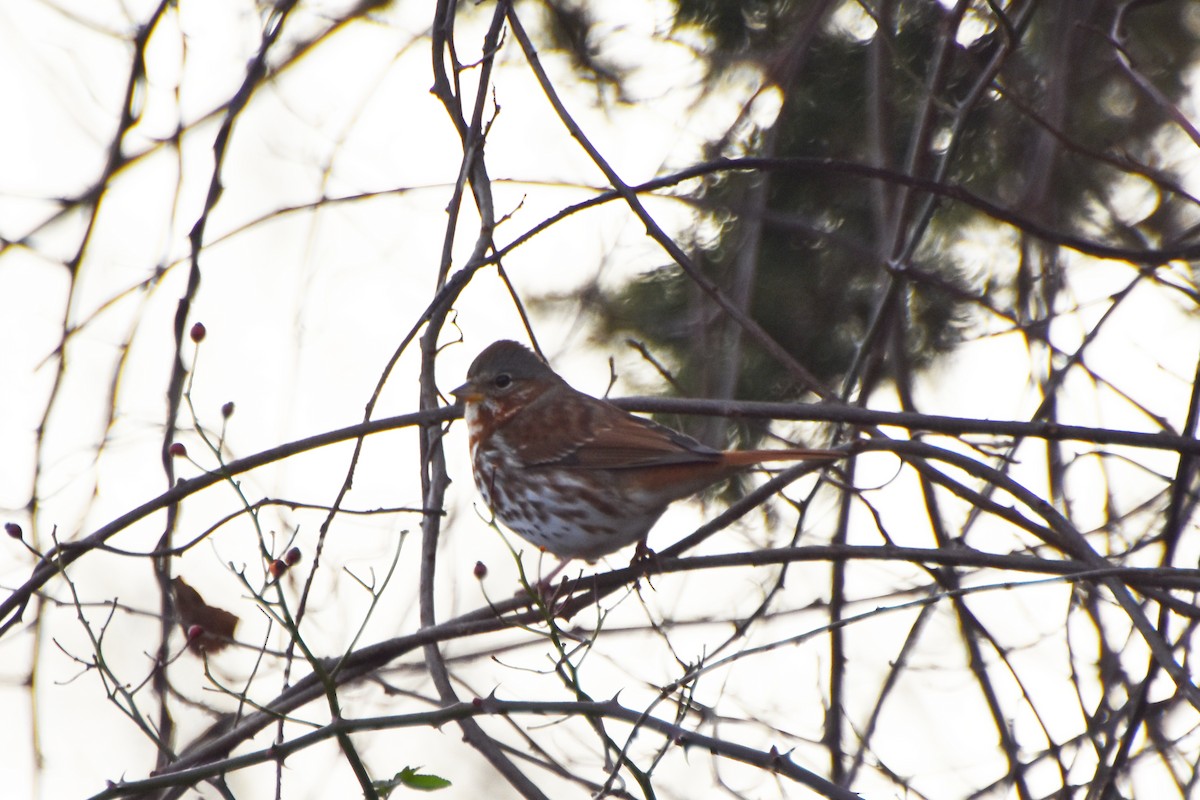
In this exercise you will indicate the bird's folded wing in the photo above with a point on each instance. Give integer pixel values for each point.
(595, 435)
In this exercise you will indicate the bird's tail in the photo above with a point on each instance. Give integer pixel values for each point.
(744, 458)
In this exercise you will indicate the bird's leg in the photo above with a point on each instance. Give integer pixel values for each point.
(641, 552)
(544, 585)
(643, 559)
(549, 579)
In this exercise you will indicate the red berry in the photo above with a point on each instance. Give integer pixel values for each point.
(227, 410)
(480, 570)
(198, 331)
(292, 557)
(194, 632)
(277, 568)
(13, 529)
(177, 449)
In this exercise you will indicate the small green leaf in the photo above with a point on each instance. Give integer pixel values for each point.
(412, 779)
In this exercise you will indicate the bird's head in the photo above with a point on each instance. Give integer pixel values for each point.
(505, 375)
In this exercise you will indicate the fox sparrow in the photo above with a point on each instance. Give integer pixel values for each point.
(573, 474)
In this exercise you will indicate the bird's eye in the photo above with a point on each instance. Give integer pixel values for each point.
(502, 381)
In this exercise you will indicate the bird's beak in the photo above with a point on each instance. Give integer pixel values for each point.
(467, 393)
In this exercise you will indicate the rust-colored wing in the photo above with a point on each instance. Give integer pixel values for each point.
(566, 428)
